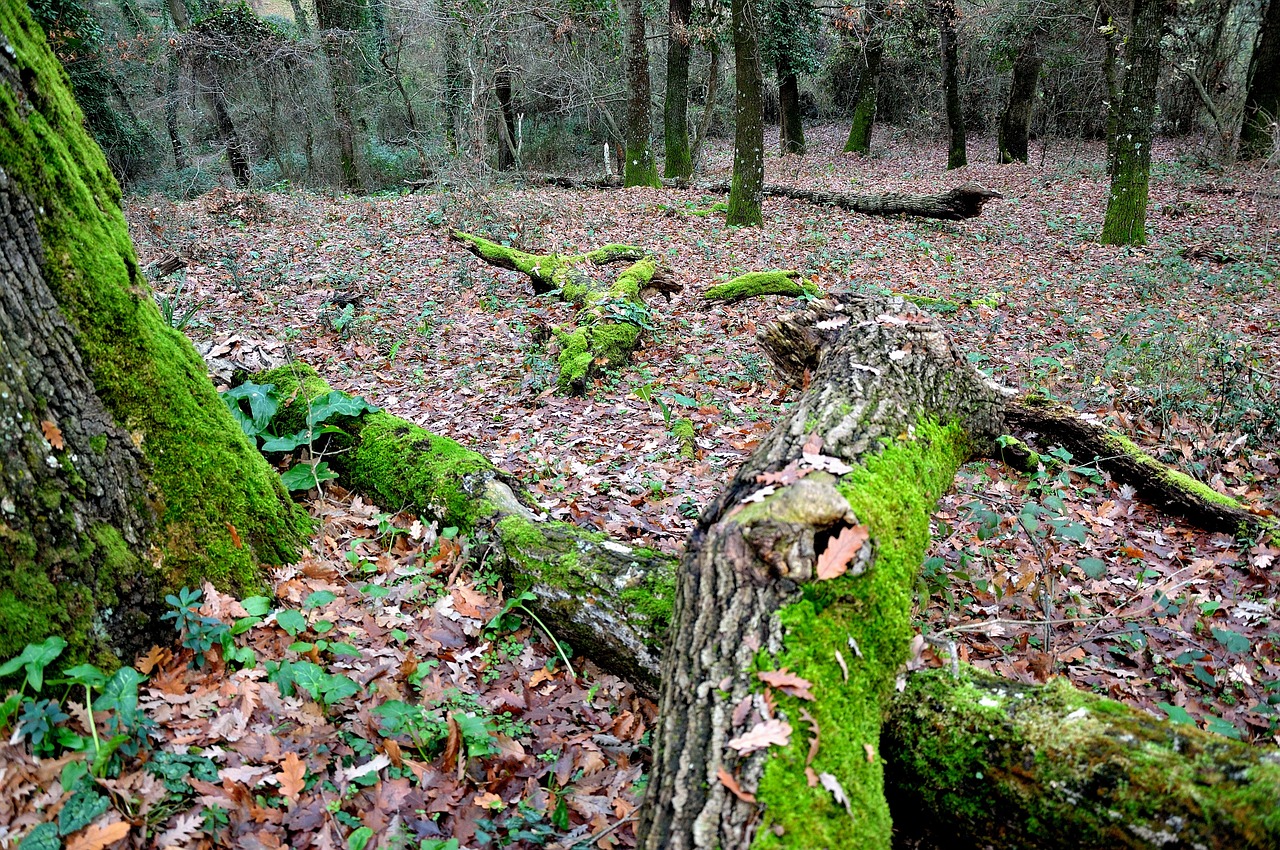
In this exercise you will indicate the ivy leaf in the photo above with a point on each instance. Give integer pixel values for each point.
(310, 677)
(291, 621)
(338, 403)
(1233, 641)
(1221, 727)
(318, 600)
(1092, 567)
(262, 406)
(43, 837)
(120, 694)
(257, 606)
(81, 810)
(304, 476)
(34, 658)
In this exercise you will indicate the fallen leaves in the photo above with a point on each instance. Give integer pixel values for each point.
(99, 836)
(767, 733)
(292, 776)
(728, 780)
(787, 682)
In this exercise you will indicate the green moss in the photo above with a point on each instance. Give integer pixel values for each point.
(575, 359)
(892, 493)
(641, 169)
(755, 284)
(1123, 445)
(682, 430)
(98, 443)
(206, 475)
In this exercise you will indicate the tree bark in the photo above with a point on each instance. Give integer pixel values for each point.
(745, 194)
(1260, 136)
(709, 103)
(171, 88)
(507, 144)
(342, 22)
(678, 161)
(122, 475)
(1125, 222)
(237, 151)
(791, 135)
(639, 169)
(868, 90)
(1015, 122)
(1227, 75)
(945, 14)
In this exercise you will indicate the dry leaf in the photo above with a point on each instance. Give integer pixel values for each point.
(834, 560)
(235, 536)
(811, 776)
(813, 741)
(787, 682)
(761, 736)
(184, 828)
(97, 836)
(52, 433)
(837, 791)
(844, 668)
(812, 446)
(870, 751)
(789, 474)
(292, 776)
(728, 781)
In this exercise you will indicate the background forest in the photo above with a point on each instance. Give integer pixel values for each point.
(395, 193)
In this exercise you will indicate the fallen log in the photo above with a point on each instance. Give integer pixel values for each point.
(961, 202)
(756, 284)
(610, 317)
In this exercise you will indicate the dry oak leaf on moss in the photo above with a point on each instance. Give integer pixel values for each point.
(835, 559)
(787, 682)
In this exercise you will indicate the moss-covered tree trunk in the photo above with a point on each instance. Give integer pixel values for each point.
(791, 134)
(1015, 121)
(804, 567)
(748, 135)
(945, 15)
(675, 108)
(122, 475)
(1258, 136)
(640, 168)
(868, 88)
(1126, 218)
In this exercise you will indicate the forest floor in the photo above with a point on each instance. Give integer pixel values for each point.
(1060, 573)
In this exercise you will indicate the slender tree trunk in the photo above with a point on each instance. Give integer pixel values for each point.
(171, 90)
(122, 475)
(300, 17)
(1015, 122)
(675, 109)
(237, 152)
(868, 90)
(639, 169)
(342, 23)
(791, 135)
(748, 136)
(453, 85)
(945, 13)
(507, 158)
(1226, 79)
(1111, 78)
(709, 102)
(1126, 217)
(1260, 135)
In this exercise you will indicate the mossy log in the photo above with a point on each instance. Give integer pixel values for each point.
(978, 761)
(610, 317)
(122, 475)
(571, 570)
(962, 202)
(756, 284)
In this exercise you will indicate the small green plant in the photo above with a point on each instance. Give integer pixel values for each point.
(507, 620)
(174, 316)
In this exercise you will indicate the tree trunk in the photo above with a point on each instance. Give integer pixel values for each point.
(978, 761)
(675, 109)
(945, 12)
(639, 168)
(507, 158)
(1126, 218)
(237, 152)
(122, 475)
(748, 135)
(300, 17)
(709, 103)
(1260, 135)
(1111, 42)
(1226, 80)
(868, 90)
(342, 23)
(791, 136)
(1015, 122)
(172, 85)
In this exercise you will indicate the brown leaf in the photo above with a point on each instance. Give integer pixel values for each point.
(235, 536)
(870, 750)
(813, 741)
(762, 736)
(97, 836)
(452, 747)
(52, 433)
(292, 776)
(789, 474)
(787, 682)
(813, 445)
(728, 781)
(834, 560)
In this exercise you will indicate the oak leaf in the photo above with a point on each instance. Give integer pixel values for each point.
(762, 736)
(728, 781)
(787, 682)
(97, 836)
(292, 776)
(834, 560)
(53, 434)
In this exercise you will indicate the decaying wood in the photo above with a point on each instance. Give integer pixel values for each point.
(962, 202)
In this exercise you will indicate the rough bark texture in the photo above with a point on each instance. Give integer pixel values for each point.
(675, 110)
(1259, 135)
(895, 403)
(980, 761)
(172, 81)
(748, 135)
(122, 474)
(868, 90)
(640, 169)
(1126, 218)
(1015, 121)
(791, 132)
(1227, 75)
(945, 14)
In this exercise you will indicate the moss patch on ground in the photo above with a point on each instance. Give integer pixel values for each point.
(756, 284)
